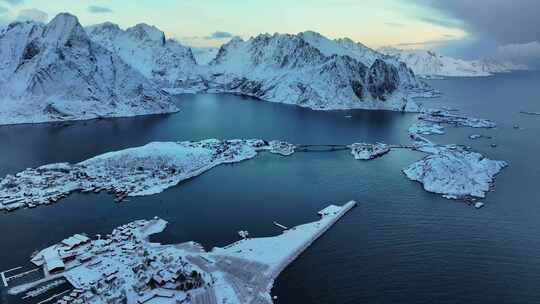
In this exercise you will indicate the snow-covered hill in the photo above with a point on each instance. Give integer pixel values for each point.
(146, 49)
(55, 72)
(296, 69)
(428, 63)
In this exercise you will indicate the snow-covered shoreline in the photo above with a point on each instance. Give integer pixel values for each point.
(125, 267)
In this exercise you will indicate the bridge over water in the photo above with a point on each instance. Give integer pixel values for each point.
(334, 147)
(320, 148)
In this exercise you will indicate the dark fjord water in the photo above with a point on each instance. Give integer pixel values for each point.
(401, 245)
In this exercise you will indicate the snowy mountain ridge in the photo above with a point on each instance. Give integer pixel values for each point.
(427, 63)
(292, 69)
(55, 72)
(62, 71)
(306, 69)
(145, 48)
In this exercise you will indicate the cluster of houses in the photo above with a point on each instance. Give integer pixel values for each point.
(119, 266)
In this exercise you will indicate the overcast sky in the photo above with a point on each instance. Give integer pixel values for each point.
(463, 28)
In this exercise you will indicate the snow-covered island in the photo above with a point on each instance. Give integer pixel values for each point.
(426, 128)
(453, 170)
(365, 151)
(136, 171)
(444, 117)
(125, 267)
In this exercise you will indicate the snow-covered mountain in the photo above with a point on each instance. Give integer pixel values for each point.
(306, 69)
(362, 53)
(494, 66)
(146, 49)
(61, 71)
(319, 74)
(428, 63)
(204, 55)
(55, 72)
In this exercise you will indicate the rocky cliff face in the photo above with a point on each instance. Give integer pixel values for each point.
(315, 73)
(55, 72)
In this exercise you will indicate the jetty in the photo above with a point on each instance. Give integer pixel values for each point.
(280, 226)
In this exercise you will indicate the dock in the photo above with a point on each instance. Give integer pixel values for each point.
(281, 226)
(5, 279)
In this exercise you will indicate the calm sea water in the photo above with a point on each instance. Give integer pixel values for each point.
(401, 245)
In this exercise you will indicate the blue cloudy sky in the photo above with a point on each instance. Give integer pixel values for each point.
(463, 28)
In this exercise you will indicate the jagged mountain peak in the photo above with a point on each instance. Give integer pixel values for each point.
(144, 31)
(145, 48)
(55, 72)
(62, 28)
(104, 27)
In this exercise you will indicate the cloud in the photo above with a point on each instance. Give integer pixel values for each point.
(504, 21)
(441, 22)
(520, 52)
(219, 35)
(427, 44)
(13, 2)
(394, 24)
(99, 9)
(32, 14)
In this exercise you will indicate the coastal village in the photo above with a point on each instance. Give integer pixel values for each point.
(126, 267)
(137, 171)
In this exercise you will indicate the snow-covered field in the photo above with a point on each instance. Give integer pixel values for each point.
(145, 170)
(125, 267)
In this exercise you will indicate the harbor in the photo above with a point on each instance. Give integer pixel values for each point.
(124, 267)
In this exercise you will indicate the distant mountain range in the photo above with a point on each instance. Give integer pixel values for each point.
(430, 64)
(62, 71)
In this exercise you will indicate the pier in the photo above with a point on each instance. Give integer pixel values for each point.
(281, 226)
(5, 278)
